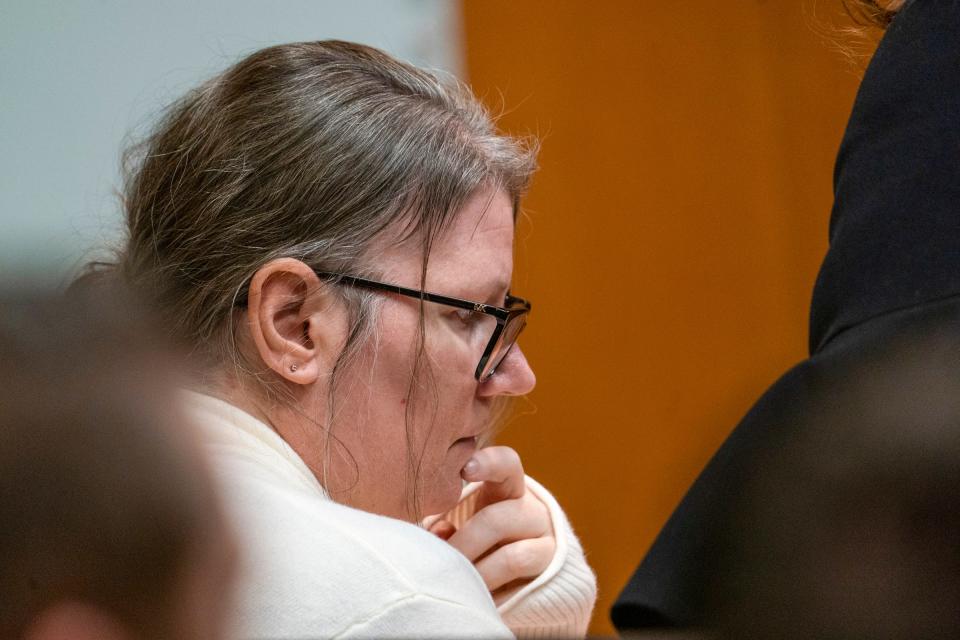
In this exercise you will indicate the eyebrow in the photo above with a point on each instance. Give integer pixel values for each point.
(498, 288)
(491, 293)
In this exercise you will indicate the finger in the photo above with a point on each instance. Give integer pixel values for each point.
(501, 523)
(523, 559)
(500, 470)
(443, 529)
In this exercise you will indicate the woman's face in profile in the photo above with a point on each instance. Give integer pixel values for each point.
(449, 409)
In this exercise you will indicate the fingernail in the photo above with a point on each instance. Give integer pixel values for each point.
(471, 467)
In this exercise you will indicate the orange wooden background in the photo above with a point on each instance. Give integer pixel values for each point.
(676, 228)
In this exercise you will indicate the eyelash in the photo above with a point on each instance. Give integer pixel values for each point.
(467, 317)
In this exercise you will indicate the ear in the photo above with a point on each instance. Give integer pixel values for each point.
(297, 324)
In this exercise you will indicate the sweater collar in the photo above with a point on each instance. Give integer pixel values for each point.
(223, 425)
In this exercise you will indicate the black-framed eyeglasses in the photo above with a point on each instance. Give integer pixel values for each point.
(510, 319)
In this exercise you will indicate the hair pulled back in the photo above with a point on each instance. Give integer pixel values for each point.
(305, 150)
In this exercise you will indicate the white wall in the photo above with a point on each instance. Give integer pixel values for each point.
(76, 77)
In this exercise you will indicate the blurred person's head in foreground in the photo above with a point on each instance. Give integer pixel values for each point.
(110, 527)
(852, 528)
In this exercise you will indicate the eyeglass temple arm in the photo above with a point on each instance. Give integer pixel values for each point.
(423, 295)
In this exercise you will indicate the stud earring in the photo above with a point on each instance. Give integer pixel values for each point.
(294, 366)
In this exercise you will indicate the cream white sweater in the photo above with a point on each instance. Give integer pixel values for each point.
(313, 568)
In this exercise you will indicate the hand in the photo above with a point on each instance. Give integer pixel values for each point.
(510, 536)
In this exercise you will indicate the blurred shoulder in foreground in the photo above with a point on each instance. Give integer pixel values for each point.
(850, 528)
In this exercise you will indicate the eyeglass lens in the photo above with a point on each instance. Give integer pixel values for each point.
(508, 337)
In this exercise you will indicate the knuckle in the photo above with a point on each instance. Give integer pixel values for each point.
(522, 559)
(485, 518)
(536, 510)
(551, 547)
(487, 523)
(487, 453)
(533, 503)
(502, 454)
(499, 515)
(543, 513)
(512, 458)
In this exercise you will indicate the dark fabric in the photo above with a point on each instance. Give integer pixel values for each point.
(893, 269)
(895, 227)
(847, 525)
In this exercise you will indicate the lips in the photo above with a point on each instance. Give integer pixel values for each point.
(463, 448)
(468, 440)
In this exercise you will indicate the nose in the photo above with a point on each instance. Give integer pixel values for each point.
(513, 377)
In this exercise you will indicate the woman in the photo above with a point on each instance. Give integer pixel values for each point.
(330, 232)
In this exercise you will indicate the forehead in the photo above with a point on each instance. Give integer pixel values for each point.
(474, 254)
(480, 238)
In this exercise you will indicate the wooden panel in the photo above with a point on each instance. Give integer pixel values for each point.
(673, 239)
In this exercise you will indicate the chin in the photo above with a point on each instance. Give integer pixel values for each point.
(442, 499)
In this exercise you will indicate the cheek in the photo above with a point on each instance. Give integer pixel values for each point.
(368, 451)
(374, 420)
(455, 414)
(447, 392)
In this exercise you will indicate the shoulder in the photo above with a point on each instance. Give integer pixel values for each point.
(315, 567)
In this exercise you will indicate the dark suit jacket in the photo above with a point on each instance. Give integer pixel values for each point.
(892, 270)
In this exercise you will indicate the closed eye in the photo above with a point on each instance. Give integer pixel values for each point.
(468, 317)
